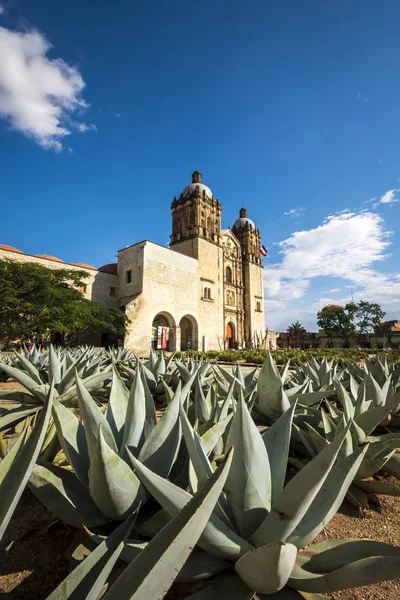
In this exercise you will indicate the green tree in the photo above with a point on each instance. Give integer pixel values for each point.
(367, 318)
(39, 303)
(295, 330)
(336, 321)
(355, 321)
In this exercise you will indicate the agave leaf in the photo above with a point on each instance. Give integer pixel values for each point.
(54, 366)
(297, 496)
(267, 569)
(116, 413)
(161, 448)
(328, 500)
(130, 550)
(9, 458)
(273, 403)
(210, 438)
(112, 483)
(202, 403)
(311, 398)
(227, 585)
(156, 567)
(25, 380)
(87, 580)
(89, 383)
(133, 434)
(93, 418)
(248, 487)
(371, 486)
(18, 473)
(344, 399)
(13, 417)
(151, 415)
(63, 494)
(268, 378)
(29, 367)
(393, 466)
(277, 441)
(373, 390)
(217, 538)
(371, 418)
(198, 456)
(71, 434)
(343, 564)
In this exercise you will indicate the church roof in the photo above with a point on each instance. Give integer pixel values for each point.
(49, 257)
(189, 190)
(111, 269)
(197, 181)
(84, 265)
(243, 220)
(10, 248)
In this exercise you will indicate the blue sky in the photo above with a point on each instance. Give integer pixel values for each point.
(289, 108)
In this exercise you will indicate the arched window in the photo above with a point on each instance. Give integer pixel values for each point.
(228, 275)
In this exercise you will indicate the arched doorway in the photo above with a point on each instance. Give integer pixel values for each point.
(230, 335)
(163, 332)
(189, 332)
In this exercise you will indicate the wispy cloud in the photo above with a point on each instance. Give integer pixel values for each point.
(295, 212)
(117, 115)
(388, 197)
(2, 10)
(362, 97)
(344, 246)
(38, 95)
(333, 291)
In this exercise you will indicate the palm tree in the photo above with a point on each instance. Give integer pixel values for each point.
(295, 330)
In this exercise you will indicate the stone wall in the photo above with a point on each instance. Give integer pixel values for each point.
(167, 284)
(98, 284)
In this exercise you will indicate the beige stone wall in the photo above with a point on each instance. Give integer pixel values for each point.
(211, 313)
(254, 292)
(169, 285)
(98, 284)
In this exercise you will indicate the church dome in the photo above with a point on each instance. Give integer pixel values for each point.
(197, 182)
(49, 257)
(243, 220)
(84, 265)
(10, 248)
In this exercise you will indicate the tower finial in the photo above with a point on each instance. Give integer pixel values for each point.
(196, 177)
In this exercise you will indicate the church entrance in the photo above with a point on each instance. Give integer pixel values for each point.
(188, 327)
(163, 332)
(230, 335)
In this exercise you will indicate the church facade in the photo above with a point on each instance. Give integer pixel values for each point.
(204, 292)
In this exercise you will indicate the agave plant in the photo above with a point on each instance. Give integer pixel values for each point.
(150, 574)
(276, 393)
(103, 486)
(17, 465)
(260, 527)
(362, 417)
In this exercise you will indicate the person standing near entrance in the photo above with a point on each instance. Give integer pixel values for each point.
(189, 344)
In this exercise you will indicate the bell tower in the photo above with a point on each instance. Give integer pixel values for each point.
(249, 238)
(196, 214)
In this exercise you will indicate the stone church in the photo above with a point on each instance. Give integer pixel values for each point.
(204, 292)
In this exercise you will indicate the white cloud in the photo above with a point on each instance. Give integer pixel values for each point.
(38, 95)
(333, 291)
(295, 212)
(344, 246)
(2, 10)
(388, 197)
